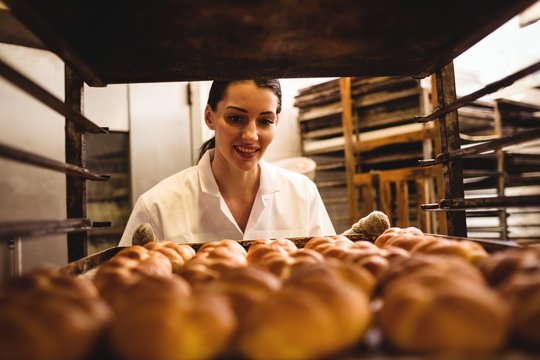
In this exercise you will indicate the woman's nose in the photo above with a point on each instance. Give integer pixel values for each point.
(249, 133)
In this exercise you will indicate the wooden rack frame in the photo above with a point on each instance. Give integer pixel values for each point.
(81, 36)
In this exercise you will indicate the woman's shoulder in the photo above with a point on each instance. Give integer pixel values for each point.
(179, 182)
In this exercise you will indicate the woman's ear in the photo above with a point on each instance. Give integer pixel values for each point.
(209, 117)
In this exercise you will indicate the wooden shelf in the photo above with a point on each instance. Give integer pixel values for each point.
(184, 41)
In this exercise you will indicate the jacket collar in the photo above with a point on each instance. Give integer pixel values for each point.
(209, 185)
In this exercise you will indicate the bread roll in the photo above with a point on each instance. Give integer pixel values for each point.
(232, 245)
(442, 307)
(441, 264)
(246, 288)
(523, 292)
(178, 254)
(503, 265)
(468, 250)
(47, 315)
(127, 267)
(405, 238)
(164, 322)
(316, 314)
(370, 260)
(257, 251)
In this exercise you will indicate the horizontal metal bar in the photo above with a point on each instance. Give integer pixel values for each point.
(24, 229)
(492, 145)
(45, 97)
(488, 89)
(492, 202)
(496, 144)
(486, 243)
(22, 156)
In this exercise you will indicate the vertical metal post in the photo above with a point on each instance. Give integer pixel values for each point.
(502, 214)
(449, 131)
(350, 161)
(75, 153)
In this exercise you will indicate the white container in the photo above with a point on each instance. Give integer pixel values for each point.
(299, 164)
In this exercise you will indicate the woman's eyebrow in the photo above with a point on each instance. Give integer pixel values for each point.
(245, 111)
(236, 108)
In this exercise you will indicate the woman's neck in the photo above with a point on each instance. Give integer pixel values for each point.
(238, 189)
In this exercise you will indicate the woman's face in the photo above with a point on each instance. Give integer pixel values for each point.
(244, 123)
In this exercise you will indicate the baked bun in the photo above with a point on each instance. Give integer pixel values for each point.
(503, 265)
(178, 254)
(368, 259)
(523, 293)
(246, 288)
(466, 249)
(442, 308)
(128, 266)
(47, 315)
(312, 316)
(212, 260)
(232, 245)
(164, 321)
(260, 247)
(405, 238)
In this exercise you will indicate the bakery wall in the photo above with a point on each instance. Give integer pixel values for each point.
(165, 125)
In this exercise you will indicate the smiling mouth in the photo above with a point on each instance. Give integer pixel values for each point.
(246, 150)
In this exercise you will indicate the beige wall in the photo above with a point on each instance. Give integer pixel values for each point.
(165, 134)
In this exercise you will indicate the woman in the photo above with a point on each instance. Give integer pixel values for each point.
(232, 193)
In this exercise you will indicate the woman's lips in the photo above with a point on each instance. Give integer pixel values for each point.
(246, 151)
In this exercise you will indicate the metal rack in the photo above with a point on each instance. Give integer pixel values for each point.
(135, 41)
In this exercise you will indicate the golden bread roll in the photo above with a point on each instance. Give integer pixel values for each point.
(468, 250)
(178, 254)
(503, 265)
(316, 241)
(312, 316)
(225, 243)
(164, 322)
(370, 260)
(338, 251)
(362, 244)
(198, 273)
(126, 267)
(392, 253)
(48, 315)
(440, 303)
(257, 251)
(441, 264)
(300, 258)
(523, 293)
(274, 260)
(246, 288)
(402, 237)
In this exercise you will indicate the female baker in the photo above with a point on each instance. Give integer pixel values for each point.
(232, 193)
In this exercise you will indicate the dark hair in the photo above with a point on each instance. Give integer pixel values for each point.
(217, 93)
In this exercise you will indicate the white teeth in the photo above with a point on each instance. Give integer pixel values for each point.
(246, 150)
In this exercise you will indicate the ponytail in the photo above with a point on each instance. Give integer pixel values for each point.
(207, 145)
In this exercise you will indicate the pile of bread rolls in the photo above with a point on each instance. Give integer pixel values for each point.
(272, 300)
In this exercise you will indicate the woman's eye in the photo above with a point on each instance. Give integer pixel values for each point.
(234, 119)
(266, 122)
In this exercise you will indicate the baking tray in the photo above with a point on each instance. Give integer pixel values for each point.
(88, 263)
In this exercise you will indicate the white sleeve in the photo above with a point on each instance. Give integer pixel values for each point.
(138, 216)
(320, 221)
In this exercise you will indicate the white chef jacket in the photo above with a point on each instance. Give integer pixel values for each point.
(188, 208)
